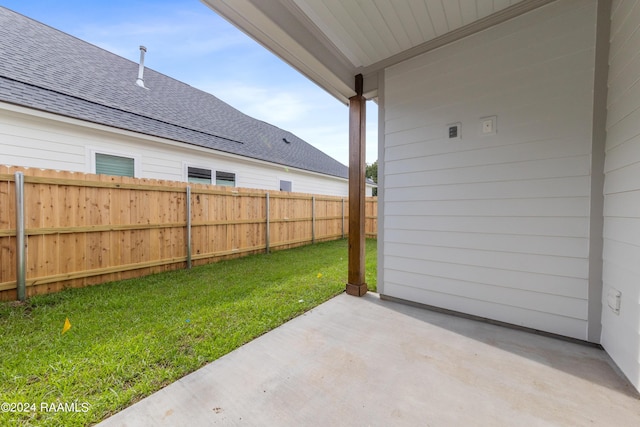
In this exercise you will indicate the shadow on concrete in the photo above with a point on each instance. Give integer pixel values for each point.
(580, 359)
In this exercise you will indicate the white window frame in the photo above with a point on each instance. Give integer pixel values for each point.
(214, 177)
(187, 165)
(91, 158)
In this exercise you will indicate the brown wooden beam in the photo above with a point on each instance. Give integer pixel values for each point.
(357, 121)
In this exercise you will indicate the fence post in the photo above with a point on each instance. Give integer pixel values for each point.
(313, 219)
(188, 227)
(343, 218)
(21, 285)
(268, 231)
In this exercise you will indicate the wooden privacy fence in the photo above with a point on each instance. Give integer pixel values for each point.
(84, 229)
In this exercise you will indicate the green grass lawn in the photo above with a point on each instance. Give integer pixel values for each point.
(133, 337)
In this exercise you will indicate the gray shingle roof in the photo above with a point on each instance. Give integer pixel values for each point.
(46, 69)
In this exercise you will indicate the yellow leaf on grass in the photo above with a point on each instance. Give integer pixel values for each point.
(67, 325)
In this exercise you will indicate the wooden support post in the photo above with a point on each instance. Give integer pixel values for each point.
(357, 121)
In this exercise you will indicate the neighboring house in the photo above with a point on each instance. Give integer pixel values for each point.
(509, 150)
(66, 104)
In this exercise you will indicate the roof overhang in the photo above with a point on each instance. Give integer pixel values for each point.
(330, 42)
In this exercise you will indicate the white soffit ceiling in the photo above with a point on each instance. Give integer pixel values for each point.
(330, 41)
(367, 32)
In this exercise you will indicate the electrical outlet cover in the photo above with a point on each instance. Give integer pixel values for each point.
(613, 300)
(488, 125)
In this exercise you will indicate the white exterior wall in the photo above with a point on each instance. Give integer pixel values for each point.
(41, 140)
(495, 225)
(621, 253)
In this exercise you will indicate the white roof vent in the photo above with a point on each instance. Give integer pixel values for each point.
(140, 81)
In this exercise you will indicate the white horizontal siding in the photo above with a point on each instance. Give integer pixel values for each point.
(42, 140)
(487, 275)
(504, 312)
(561, 266)
(536, 149)
(495, 225)
(505, 172)
(37, 144)
(549, 207)
(529, 244)
(557, 305)
(566, 227)
(621, 253)
(510, 189)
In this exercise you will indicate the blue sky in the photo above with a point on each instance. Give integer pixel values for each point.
(187, 41)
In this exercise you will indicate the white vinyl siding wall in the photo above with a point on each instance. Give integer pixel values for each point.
(42, 140)
(621, 269)
(495, 225)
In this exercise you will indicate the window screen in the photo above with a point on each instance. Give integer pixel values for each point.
(285, 185)
(202, 176)
(226, 178)
(106, 164)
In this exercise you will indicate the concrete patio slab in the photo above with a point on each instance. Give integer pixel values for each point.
(366, 362)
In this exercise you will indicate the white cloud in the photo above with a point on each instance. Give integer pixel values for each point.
(272, 105)
(169, 34)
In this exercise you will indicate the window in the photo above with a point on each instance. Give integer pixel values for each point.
(226, 178)
(285, 185)
(206, 176)
(107, 164)
(199, 175)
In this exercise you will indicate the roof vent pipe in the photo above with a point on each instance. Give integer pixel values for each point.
(140, 81)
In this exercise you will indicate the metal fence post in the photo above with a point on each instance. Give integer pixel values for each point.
(188, 227)
(343, 218)
(21, 285)
(313, 219)
(268, 225)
